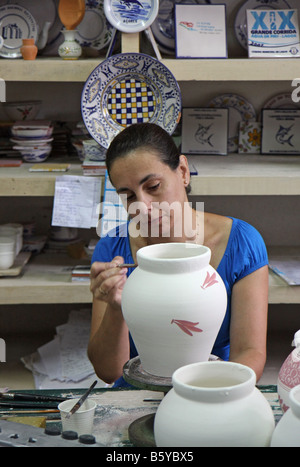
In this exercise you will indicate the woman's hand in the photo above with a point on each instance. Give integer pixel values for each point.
(107, 281)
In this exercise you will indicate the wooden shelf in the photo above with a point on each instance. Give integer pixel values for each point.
(18, 181)
(54, 69)
(218, 175)
(46, 279)
(240, 175)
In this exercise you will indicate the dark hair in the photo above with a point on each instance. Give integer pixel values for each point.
(143, 135)
(148, 136)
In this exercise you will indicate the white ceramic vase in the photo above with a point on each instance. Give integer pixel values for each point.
(174, 303)
(214, 404)
(286, 433)
(289, 374)
(70, 49)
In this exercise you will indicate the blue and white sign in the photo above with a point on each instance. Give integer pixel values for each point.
(273, 33)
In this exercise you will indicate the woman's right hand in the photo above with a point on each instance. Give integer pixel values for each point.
(107, 281)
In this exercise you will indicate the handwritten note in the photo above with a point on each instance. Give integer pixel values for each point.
(76, 201)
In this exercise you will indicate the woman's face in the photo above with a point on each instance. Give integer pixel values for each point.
(153, 194)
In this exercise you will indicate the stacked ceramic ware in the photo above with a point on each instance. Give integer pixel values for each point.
(33, 139)
(11, 241)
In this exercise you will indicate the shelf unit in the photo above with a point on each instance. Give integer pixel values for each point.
(236, 69)
(231, 175)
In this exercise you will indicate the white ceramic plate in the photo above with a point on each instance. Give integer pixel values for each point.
(239, 110)
(281, 101)
(30, 142)
(129, 88)
(42, 11)
(94, 30)
(17, 23)
(163, 27)
(131, 15)
(240, 24)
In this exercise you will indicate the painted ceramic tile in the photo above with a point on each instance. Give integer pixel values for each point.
(250, 138)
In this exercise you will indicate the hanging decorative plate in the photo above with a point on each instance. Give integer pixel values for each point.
(41, 11)
(240, 24)
(131, 15)
(94, 30)
(239, 110)
(163, 27)
(129, 88)
(281, 101)
(16, 23)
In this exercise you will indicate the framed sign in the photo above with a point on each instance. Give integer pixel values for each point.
(281, 131)
(200, 31)
(273, 33)
(204, 131)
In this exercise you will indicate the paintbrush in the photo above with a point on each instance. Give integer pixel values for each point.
(26, 412)
(81, 401)
(31, 397)
(28, 404)
(127, 265)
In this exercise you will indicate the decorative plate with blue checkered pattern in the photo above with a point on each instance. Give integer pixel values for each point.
(129, 88)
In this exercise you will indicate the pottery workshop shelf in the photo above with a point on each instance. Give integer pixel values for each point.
(240, 69)
(18, 181)
(246, 175)
(229, 175)
(45, 279)
(44, 282)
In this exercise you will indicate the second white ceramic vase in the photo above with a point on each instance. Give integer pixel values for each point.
(286, 433)
(214, 404)
(289, 374)
(174, 304)
(70, 49)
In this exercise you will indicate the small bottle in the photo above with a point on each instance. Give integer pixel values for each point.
(289, 374)
(29, 49)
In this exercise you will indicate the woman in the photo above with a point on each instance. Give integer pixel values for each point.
(147, 170)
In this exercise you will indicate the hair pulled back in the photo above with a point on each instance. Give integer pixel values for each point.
(149, 136)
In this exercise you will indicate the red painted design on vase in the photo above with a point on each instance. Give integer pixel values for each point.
(209, 280)
(186, 326)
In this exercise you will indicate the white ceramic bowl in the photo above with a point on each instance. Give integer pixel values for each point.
(34, 154)
(22, 110)
(32, 133)
(6, 260)
(64, 233)
(79, 148)
(7, 243)
(34, 244)
(31, 142)
(93, 151)
(19, 235)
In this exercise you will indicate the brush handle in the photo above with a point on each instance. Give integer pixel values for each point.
(81, 400)
(31, 397)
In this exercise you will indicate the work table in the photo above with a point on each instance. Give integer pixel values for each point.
(117, 409)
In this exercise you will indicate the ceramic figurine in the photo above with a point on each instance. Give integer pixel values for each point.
(214, 404)
(289, 374)
(29, 49)
(174, 303)
(286, 433)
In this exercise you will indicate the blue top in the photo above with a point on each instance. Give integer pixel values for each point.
(245, 253)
